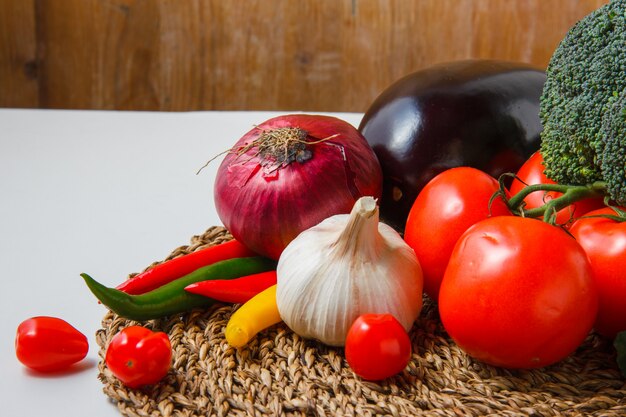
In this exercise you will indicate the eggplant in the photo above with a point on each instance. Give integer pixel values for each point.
(478, 113)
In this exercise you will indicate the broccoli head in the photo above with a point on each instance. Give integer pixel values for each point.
(613, 158)
(586, 77)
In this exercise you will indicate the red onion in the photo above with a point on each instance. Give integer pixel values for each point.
(290, 173)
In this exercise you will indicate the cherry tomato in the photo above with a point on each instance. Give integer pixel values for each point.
(449, 204)
(49, 344)
(138, 356)
(531, 173)
(604, 240)
(518, 293)
(377, 346)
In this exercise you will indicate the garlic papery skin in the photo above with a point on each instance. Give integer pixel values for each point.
(346, 266)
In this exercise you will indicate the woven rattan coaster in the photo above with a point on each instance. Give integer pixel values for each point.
(279, 373)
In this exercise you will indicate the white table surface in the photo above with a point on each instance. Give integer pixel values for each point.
(100, 192)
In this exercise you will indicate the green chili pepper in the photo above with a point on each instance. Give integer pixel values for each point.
(172, 298)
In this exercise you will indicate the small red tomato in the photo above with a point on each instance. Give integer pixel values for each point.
(531, 173)
(518, 293)
(138, 356)
(444, 209)
(49, 344)
(604, 241)
(377, 346)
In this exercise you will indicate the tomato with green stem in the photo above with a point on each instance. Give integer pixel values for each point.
(377, 346)
(449, 204)
(518, 293)
(602, 234)
(49, 344)
(138, 356)
(531, 173)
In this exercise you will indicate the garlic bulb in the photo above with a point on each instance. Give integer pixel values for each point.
(346, 266)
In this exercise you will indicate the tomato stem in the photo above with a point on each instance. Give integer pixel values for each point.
(619, 216)
(570, 195)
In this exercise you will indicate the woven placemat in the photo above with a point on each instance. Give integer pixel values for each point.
(281, 374)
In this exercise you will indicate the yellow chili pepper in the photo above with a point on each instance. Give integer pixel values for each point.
(256, 314)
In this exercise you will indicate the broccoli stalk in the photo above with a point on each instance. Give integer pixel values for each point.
(583, 104)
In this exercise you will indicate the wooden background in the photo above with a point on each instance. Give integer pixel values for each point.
(310, 55)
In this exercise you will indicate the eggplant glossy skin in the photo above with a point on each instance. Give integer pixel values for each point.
(478, 113)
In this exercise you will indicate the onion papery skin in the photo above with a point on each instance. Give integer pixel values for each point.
(266, 210)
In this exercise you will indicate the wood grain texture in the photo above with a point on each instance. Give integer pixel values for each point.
(283, 55)
(18, 54)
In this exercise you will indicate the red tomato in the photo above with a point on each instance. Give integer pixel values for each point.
(604, 240)
(518, 293)
(449, 204)
(138, 356)
(49, 344)
(531, 173)
(377, 346)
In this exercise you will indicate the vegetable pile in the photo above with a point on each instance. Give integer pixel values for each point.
(519, 239)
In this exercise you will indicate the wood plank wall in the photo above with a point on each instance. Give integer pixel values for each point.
(310, 55)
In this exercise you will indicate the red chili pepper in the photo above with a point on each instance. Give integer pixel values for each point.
(238, 290)
(175, 268)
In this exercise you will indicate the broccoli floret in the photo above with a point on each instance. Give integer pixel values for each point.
(613, 156)
(585, 77)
